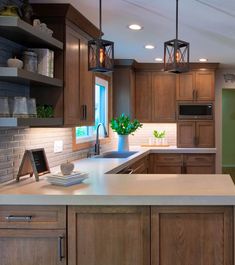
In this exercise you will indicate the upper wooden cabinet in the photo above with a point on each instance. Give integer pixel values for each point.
(196, 85)
(155, 97)
(163, 98)
(75, 102)
(79, 84)
(124, 91)
(143, 96)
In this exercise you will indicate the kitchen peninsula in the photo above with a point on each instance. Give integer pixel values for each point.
(119, 218)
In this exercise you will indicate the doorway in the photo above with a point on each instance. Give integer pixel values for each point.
(228, 132)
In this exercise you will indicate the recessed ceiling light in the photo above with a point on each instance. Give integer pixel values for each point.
(202, 60)
(135, 27)
(158, 59)
(149, 46)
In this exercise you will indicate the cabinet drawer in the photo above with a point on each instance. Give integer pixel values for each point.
(140, 166)
(169, 159)
(33, 217)
(199, 159)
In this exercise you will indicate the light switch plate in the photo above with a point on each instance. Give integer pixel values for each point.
(58, 146)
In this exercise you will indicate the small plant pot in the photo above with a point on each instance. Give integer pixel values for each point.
(123, 143)
(159, 141)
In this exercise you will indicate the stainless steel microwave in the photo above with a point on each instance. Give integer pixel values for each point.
(194, 111)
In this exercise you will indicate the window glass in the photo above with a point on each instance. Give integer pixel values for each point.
(87, 133)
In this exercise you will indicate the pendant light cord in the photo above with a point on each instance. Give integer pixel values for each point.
(176, 19)
(100, 19)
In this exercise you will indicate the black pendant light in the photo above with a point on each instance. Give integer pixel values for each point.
(176, 53)
(100, 52)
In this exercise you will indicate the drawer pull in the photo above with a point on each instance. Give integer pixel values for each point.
(19, 218)
(130, 171)
(61, 248)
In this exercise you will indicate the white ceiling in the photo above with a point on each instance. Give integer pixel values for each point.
(209, 26)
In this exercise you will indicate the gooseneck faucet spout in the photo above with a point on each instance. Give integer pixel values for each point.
(97, 143)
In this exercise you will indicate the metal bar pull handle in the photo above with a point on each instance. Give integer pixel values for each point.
(85, 112)
(16, 218)
(61, 248)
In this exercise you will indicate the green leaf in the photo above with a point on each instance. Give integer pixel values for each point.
(122, 125)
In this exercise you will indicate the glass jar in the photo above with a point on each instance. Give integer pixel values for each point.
(30, 60)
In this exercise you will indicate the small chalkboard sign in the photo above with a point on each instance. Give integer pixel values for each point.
(35, 163)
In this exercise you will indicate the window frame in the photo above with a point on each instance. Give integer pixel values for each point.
(88, 144)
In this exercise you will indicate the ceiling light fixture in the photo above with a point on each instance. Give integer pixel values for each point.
(135, 27)
(176, 53)
(100, 52)
(158, 59)
(149, 46)
(203, 60)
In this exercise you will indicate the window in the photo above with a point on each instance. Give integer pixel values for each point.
(88, 133)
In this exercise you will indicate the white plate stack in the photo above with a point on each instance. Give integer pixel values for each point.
(75, 177)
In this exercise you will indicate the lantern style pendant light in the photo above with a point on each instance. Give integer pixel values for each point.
(176, 53)
(100, 52)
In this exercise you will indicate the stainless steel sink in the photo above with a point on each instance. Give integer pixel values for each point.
(116, 154)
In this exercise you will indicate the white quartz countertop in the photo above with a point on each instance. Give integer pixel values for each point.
(121, 189)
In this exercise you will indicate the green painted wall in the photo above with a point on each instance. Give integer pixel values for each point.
(228, 130)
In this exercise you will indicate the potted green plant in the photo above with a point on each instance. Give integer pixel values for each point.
(123, 126)
(160, 136)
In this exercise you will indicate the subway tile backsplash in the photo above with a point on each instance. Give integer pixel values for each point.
(13, 143)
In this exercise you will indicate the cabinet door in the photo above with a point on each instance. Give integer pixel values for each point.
(191, 235)
(29, 247)
(185, 86)
(205, 135)
(165, 163)
(199, 163)
(124, 92)
(186, 134)
(205, 85)
(163, 102)
(108, 235)
(87, 87)
(143, 96)
(71, 76)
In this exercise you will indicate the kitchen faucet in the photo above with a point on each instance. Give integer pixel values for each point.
(97, 143)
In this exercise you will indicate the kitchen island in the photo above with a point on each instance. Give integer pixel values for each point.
(119, 219)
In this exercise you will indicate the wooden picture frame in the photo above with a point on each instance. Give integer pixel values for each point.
(35, 163)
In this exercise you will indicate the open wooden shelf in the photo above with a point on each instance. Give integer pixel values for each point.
(31, 122)
(20, 76)
(15, 29)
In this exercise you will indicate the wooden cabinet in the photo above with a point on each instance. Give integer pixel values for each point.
(199, 164)
(182, 164)
(155, 97)
(195, 134)
(165, 163)
(28, 247)
(108, 235)
(141, 166)
(143, 96)
(163, 98)
(191, 235)
(124, 92)
(33, 235)
(79, 84)
(75, 101)
(196, 85)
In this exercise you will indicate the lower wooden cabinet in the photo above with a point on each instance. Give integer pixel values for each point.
(191, 235)
(108, 235)
(195, 134)
(32, 247)
(165, 163)
(182, 164)
(125, 235)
